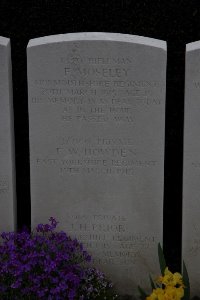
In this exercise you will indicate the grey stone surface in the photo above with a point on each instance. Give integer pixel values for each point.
(97, 114)
(7, 165)
(191, 170)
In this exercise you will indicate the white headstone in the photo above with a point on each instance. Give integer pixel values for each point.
(97, 115)
(7, 166)
(191, 170)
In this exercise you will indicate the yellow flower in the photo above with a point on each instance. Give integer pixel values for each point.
(170, 279)
(168, 293)
(157, 294)
(173, 287)
(173, 293)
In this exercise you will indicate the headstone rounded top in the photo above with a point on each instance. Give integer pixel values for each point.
(4, 41)
(98, 36)
(193, 46)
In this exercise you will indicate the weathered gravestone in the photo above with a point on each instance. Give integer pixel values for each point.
(7, 167)
(97, 114)
(191, 170)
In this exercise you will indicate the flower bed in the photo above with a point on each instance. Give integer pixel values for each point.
(49, 265)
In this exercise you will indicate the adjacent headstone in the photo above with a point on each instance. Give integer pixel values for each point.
(97, 115)
(7, 166)
(191, 170)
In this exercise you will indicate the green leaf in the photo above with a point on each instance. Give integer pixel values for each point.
(186, 282)
(157, 285)
(161, 259)
(143, 295)
(152, 282)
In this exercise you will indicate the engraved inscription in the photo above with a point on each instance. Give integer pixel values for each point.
(4, 186)
(109, 97)
(194, 246)
(96, 155)
(109, 237)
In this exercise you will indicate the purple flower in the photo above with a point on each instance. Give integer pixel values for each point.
(46, 264)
